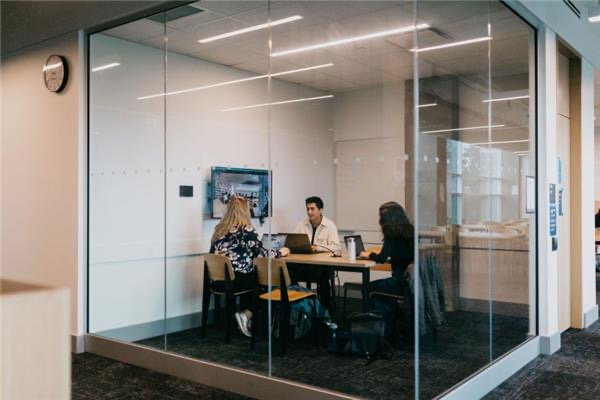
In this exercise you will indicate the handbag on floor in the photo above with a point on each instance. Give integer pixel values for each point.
(367, 336)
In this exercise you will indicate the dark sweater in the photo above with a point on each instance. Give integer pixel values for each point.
(399, 250)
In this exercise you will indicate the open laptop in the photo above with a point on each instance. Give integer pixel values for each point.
(298, 243)
(277, 241)
(360, 247)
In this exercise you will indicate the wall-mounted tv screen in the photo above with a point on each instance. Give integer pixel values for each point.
(253, 184)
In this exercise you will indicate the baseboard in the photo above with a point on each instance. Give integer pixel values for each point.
(77, 344)
(146, 330)
(550, 344)
(590, 316)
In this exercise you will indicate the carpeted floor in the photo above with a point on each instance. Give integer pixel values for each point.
(461, 350)
(571, 373)
(96, 377)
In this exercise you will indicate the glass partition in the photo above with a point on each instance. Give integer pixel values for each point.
(226, 134)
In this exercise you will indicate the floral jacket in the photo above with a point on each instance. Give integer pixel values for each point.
(241, 247)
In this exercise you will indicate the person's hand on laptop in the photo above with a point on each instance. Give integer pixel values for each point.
(363, 255)
(284, 251)
(314, 249)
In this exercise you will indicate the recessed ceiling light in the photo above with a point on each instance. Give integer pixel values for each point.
(252, 78)
(107, 66)
(453, 44)
(278, 103)
(505, 99)
(470, 128)
(351, 39)
(251, 29)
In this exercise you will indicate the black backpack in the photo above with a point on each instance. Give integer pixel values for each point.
(367, 336)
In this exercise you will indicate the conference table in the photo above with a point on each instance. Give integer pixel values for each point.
(331, 264)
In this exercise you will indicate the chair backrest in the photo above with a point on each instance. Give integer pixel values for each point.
(215, 265)
(262, 271)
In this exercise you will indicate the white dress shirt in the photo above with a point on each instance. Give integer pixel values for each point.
(326, 234)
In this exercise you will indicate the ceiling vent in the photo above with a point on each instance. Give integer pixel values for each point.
(573, 8)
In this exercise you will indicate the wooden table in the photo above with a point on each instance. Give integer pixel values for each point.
(326, 260)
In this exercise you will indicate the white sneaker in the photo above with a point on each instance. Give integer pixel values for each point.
(243, 321)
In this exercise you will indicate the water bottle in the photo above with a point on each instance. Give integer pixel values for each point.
(332, 337)
(351, 249)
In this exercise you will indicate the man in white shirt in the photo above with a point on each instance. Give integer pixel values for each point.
(323, 236)
(321, 231)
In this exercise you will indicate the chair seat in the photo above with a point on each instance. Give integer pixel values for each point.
(293, 295)
(220, 293)
(383, 294)
(382, 267)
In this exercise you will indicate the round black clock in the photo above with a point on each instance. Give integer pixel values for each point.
(56, 73)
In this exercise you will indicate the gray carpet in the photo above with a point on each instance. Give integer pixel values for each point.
(461, 350)
(96, 378)
(571, 373)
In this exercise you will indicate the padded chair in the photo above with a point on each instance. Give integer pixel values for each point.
(282, 295)
(357, 286)
(218, 268)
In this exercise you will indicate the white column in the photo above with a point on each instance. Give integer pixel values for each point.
(547, 259)
(585, 273)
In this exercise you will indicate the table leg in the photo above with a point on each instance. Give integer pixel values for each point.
(366, 278)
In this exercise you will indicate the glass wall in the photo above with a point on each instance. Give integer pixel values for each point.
(228, 133)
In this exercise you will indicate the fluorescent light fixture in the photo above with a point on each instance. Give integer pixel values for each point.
(278, 103)
(252, 78)
(522, 154)
(351, 39)
(501, 142)
(427, 105)
(51, 66)
(506, 98)
(453, 44)
(107, 66)
(251, 29)
(594, 13)
(470, 128)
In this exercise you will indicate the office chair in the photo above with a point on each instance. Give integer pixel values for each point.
(218, 268)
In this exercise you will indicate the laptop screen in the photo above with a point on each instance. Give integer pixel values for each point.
(277, 241)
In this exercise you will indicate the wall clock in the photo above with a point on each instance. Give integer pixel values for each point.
(56, 73)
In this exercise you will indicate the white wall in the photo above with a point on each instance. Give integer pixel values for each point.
(127, 203)
(40, 164)
(597, 163)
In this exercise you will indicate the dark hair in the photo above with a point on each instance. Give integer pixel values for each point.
(386, 206)
(316, 200)
(395, 224)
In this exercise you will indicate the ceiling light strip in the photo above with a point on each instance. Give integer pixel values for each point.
(470, 128)
(501, 142)
(252, 78)
(454, 44)
(278, 103)
(107, 66)
(351, 39)
(505, 99)
(251, 29)
(427, 105)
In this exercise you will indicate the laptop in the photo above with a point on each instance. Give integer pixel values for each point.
(277, 241)
(298, 243)
(360, 247)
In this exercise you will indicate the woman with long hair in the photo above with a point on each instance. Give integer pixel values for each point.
(236, 238)
(398, 247)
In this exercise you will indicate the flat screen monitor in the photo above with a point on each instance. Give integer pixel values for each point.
(253, 184)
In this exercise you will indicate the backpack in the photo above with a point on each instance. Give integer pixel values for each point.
(302, 314)
(367, 336)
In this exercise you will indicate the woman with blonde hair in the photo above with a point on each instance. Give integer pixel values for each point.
(236, 238)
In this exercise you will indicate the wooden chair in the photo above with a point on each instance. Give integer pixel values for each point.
(218, 268)
(282, 295)
(357, 286)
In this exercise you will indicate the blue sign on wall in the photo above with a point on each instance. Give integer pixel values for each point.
(552, 209)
